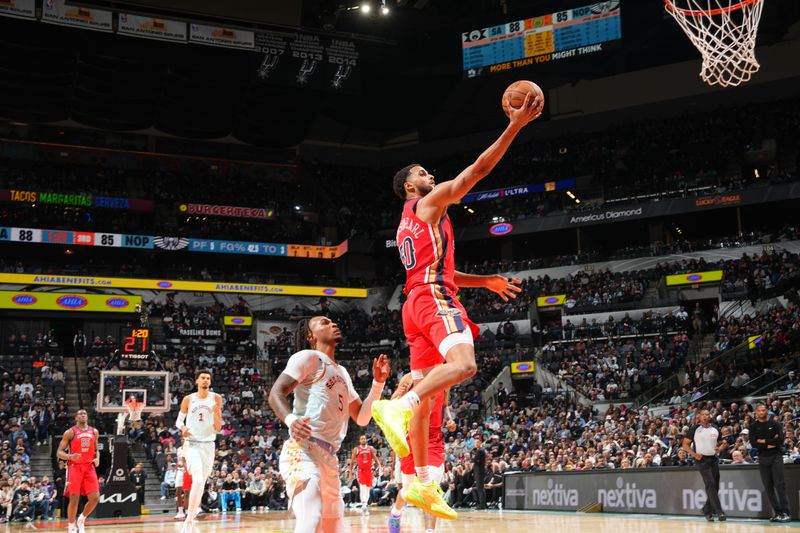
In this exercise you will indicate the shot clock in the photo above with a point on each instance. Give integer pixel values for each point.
(134, 349)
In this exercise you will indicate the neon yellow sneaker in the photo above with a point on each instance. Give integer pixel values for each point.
(393, 419)
(429, 497)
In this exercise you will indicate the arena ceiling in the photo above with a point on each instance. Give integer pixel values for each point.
(410, 71)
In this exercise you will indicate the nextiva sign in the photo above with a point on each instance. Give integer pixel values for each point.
(502, 228)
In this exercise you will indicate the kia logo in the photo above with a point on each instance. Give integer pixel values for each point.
(24, 299)
(694, 277)
(72, 301)
(164, 284)
(551, 300)
(117, 303)
(501, 229)
(329, 292)
(237, 320)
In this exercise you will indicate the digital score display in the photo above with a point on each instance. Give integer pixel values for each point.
(522, 43)
(134, 352)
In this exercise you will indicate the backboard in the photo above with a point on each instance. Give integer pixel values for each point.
(119, 386)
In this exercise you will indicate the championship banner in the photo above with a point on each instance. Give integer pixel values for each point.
(21, 9)
(549, 301)
(187, 286)
(219, 36)
(58, 12)
(152, 28)
(306, 59)
(692, 278)
(237, 321)
(52, 301)
(226, 211)
(519, 190)
(75, 199)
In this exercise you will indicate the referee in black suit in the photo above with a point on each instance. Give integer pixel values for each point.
(767, 435)
(705, 437)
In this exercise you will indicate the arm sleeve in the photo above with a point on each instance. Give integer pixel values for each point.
(181, 421)
(302, 366)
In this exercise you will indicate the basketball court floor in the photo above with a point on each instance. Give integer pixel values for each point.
(477, 521)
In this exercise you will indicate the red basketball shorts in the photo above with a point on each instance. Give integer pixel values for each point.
(365, 477)
(187, 481)
(431, 314)
(81, 479)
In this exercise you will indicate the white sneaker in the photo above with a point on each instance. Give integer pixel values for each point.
(163, 498)
(81, 524)
(180, 516)
(72, 528)
(238, 510)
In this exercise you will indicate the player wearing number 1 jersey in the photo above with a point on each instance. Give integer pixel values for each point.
(324, 401)
(79, 448)
(199, 420)
(436, 324)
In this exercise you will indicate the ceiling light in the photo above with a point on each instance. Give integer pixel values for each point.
(366, 8)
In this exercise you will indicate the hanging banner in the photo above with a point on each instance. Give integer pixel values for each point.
(219, 36)
(58, 12)
(21, 9)
(152, 28)
(306, 59)
(174, 285)
(53, 301)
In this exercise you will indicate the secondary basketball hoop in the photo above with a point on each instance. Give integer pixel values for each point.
(724, 31)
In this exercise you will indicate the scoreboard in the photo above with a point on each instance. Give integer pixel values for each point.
(552, 37)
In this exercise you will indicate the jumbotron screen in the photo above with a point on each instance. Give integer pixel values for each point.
(552, 37)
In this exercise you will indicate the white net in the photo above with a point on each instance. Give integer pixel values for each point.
(724, 31)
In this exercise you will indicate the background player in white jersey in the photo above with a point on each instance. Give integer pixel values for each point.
(324, 400)
(200, 420)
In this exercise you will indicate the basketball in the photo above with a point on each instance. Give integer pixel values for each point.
(516, 93)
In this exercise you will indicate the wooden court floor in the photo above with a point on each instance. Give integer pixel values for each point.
(478, 521)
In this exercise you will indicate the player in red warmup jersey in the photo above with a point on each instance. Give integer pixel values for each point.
(364, 455)
(435, 323)
(79, 448)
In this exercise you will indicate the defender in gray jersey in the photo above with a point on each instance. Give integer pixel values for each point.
(324, 401)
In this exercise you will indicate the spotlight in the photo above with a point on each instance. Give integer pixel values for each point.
(366, 8)
(384, 8)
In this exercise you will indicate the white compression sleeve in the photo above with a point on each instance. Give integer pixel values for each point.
(181, 421)
(365, 413)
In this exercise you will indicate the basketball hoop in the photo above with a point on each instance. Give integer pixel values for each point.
(134, 410)
(724, 31)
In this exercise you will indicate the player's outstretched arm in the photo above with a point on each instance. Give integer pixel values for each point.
(505, 287)
(450, 192)
(362, 412)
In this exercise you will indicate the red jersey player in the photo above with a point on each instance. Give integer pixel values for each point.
(436, 324)
(439, 412)
(365, 456)
(79, 448)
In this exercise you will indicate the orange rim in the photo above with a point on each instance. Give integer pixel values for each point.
(711, 13)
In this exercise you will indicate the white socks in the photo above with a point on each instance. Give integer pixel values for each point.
(422, 474)
(410, 400)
